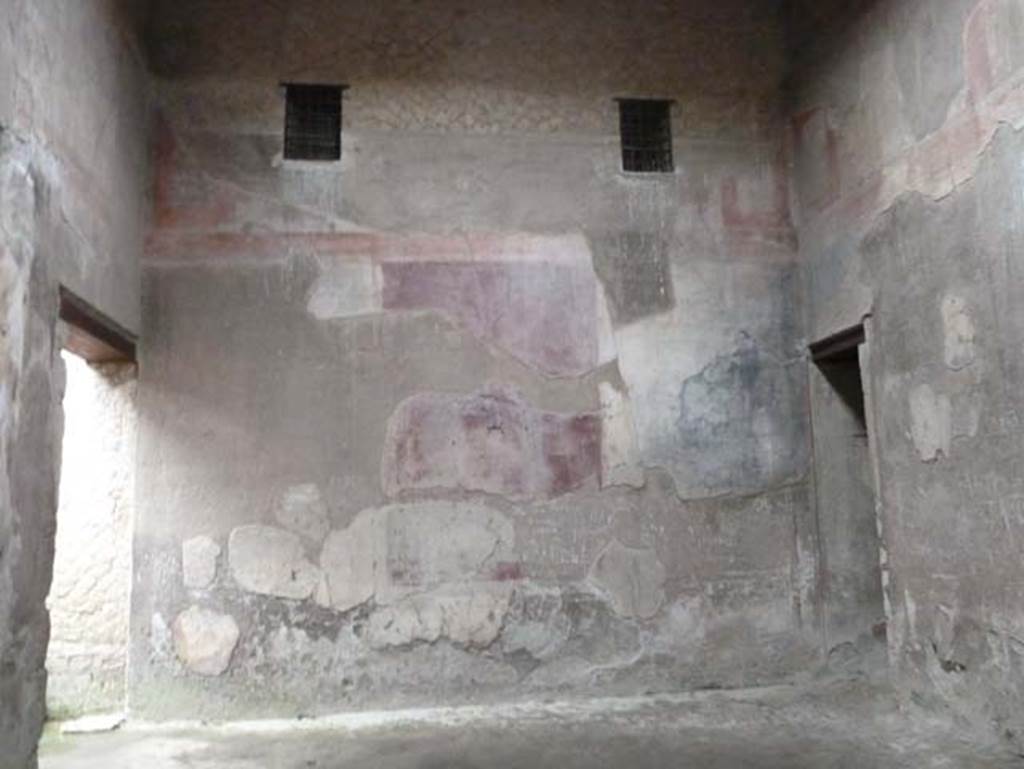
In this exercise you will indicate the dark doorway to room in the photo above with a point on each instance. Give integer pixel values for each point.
(851, 572)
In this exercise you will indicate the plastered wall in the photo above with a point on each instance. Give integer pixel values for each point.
(471, 414)
(72, 210)
(907, 134)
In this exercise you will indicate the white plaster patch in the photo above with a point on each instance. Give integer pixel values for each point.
(345, 289)
(303, 511)
(607, 350)
(161, 640)
(205, 640)
(271, 561)
(199, 562)
(470, 615)
(958, 327)
(620, 461)
(322, 596)
(930, 422)
(633, 580)
(350, 561)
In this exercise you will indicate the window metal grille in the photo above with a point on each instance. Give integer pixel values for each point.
(312, 129)
(646, 131)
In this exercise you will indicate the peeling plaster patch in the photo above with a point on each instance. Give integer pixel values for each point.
(536, 623)
(634, 268)
(817, 161)
(271, 561)
(199, 562)
(489, 441)
(967, 416)
(599, 635)
(303, 511)
(930, 422)
(632, 578)
(992, 45)
(391, 552)
(756, 202)
(620, 460)
(928, 92)
(204, 640)
(471, 615)
(958, 327)
(345, 289)
(683, 629)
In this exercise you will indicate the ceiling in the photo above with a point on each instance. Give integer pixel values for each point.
(807, 19)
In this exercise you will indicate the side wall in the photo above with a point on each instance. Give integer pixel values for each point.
(72, 202)
(908, 144)
(88, 654)
(472, 414)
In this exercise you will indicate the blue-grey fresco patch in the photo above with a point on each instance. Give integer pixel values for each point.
(741, 424)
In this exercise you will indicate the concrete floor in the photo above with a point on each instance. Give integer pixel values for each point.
(779, 728)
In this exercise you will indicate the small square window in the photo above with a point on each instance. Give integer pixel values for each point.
(312, 127)
(646, 130)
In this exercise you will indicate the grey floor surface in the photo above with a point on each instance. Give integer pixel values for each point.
(841, 726)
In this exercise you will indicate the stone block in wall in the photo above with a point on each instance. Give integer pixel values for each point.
(350, 560)
(205, 640)
(271, 561)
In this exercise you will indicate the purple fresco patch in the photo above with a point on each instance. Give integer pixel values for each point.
(491, 442)
(543, 314)
(509, 571)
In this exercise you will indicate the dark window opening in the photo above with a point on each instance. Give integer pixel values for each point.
(842, 371)
(646, 129)
(312, 129)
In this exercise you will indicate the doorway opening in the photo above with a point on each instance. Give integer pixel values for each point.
(851, 565)
(89, 596)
